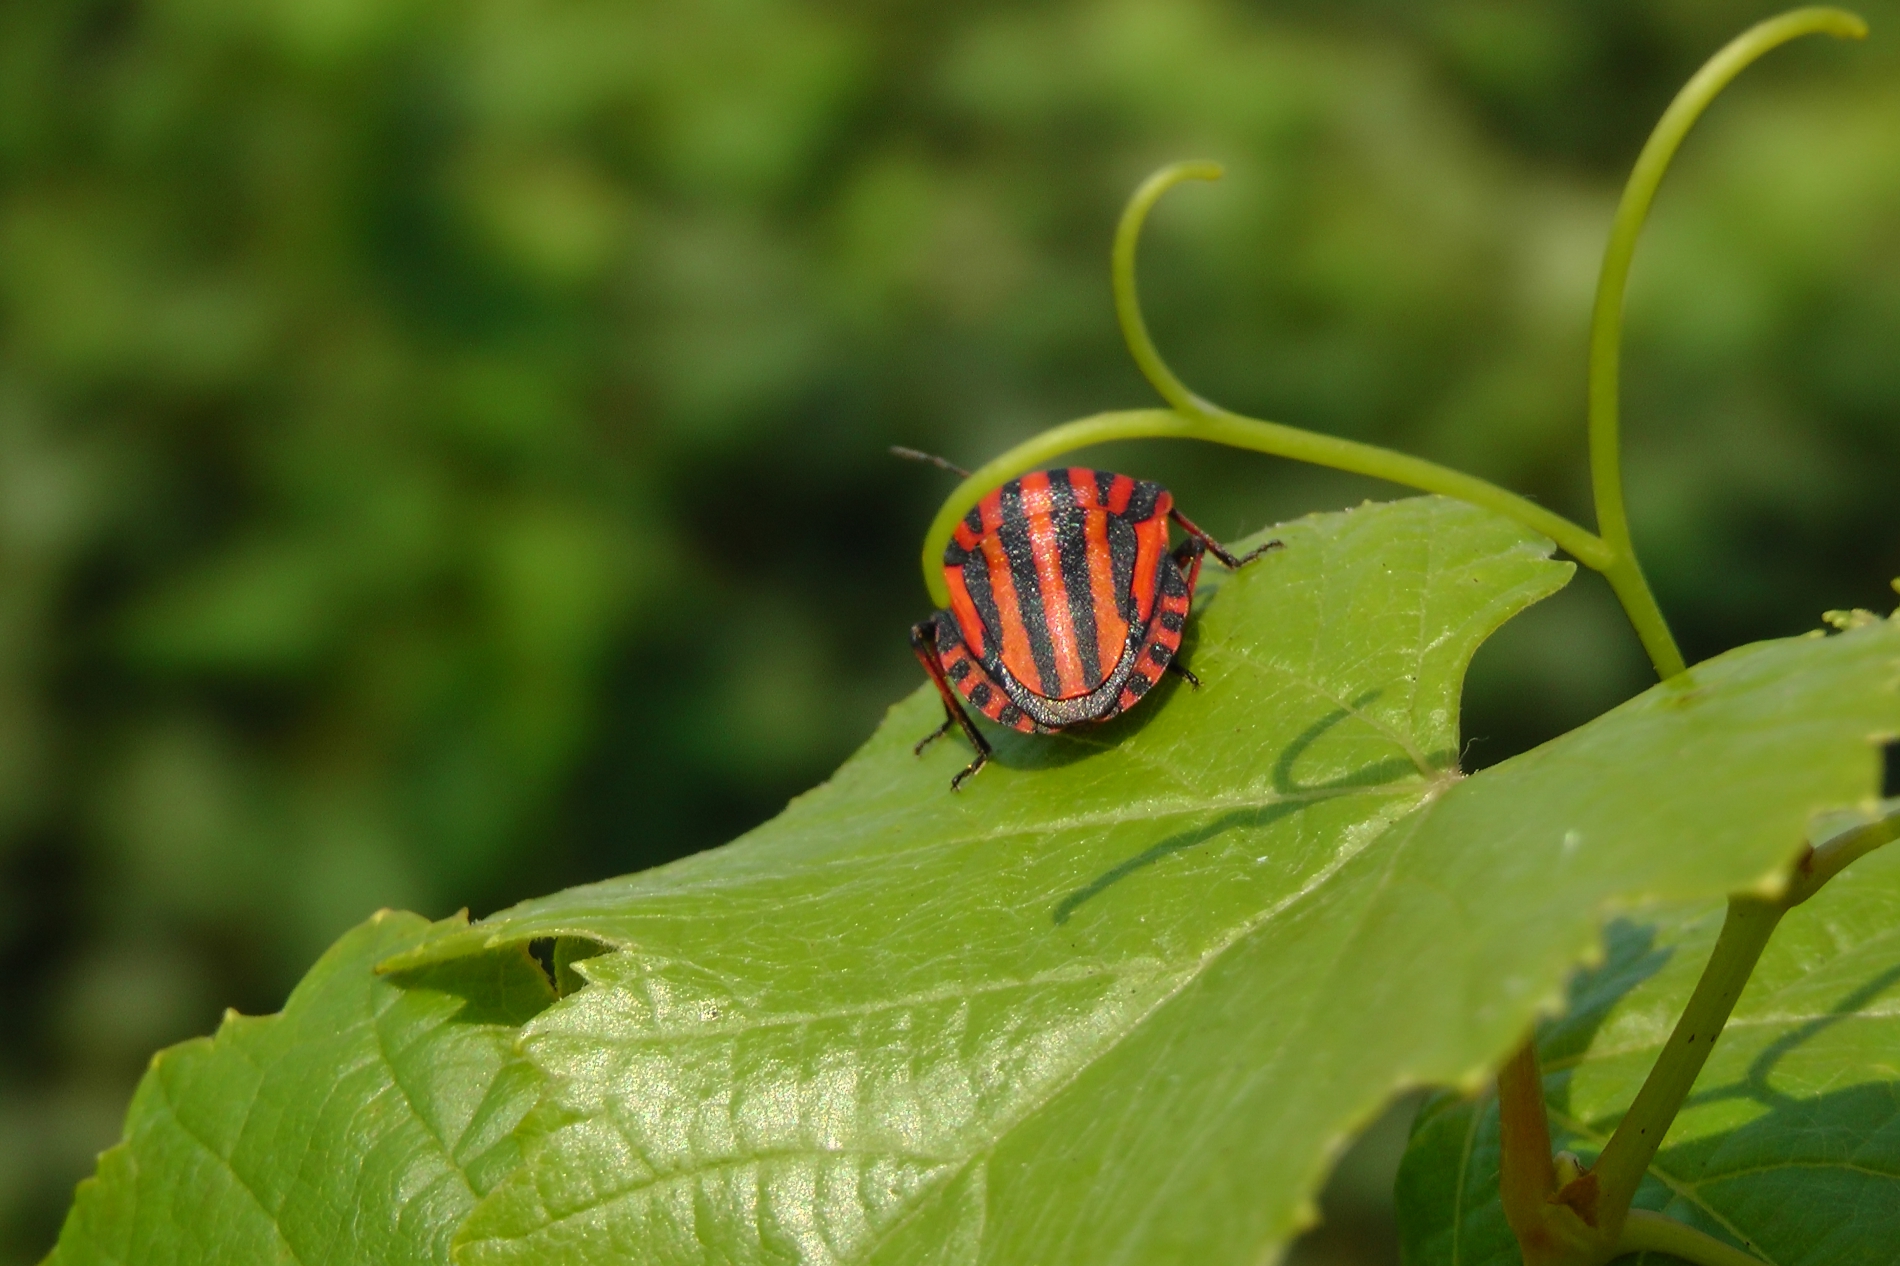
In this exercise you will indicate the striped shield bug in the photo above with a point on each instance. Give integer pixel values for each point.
(1066, 604)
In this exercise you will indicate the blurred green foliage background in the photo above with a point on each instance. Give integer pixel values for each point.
(442, 445)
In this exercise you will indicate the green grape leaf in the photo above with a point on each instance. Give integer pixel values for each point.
(360, 1125)
(1124, 997)
(1789, 1145)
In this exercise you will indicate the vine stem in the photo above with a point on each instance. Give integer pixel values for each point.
(1625, 1158)
(1606, 322)
(1527, 1179)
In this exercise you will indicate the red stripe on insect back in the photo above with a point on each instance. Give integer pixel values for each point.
(1119, 492)
(1007, 622)
(1014, 652)
(1096, 561)
(1111, 631)
(1045, 549)
(1082, 489)
(1020, 550)
(969, 623)
(1033, 488)
(1151, 537)
(990, 511)
(966, 532)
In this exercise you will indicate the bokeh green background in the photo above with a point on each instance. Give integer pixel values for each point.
(442, 441)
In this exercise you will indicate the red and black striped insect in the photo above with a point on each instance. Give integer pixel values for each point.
(1066, 604)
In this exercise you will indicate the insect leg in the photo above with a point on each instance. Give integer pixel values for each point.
(917, 748)
(923, 640)
(1179, 669)
(1228, 559)
(1187, 556)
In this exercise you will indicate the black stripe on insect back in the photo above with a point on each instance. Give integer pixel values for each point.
(976, 579)
(1122, 549)
(1014, 535)
(1072, 551)
(1141, 503)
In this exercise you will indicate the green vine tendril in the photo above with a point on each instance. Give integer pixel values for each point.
(1606, 321)
(1192, 417)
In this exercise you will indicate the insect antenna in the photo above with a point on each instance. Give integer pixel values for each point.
(911, 454)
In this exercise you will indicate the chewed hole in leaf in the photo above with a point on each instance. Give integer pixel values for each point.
(541, 949)
(497, 986)
(557, 956)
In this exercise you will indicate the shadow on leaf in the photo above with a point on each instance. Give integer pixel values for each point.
(1377, 774)
(500, 986)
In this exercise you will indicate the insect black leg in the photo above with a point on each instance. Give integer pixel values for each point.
(1179, 669)
(923, 641)
(982, 759)
(917, 748)
(1228, 559)
(1187, 556)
